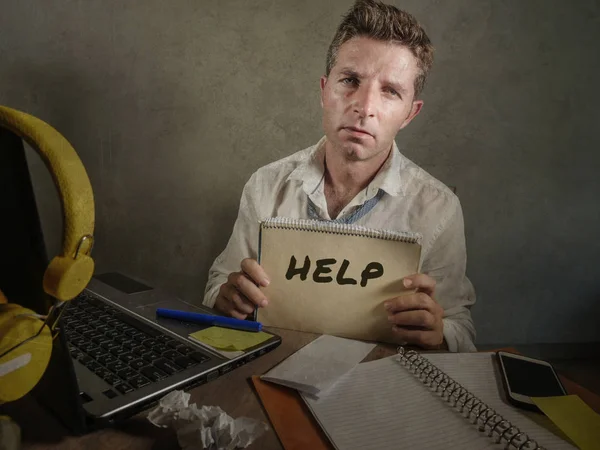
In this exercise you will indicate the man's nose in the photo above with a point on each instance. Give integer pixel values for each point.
(365, 101)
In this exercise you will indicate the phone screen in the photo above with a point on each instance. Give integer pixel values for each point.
(531, 379)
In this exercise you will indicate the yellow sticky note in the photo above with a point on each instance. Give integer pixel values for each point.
(227, 339)
(574, 417)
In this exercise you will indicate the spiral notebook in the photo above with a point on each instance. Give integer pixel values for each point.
(428, 401)
(332, 278)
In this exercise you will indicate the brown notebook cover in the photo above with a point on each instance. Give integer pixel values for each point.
(356, 269)
(293, 422)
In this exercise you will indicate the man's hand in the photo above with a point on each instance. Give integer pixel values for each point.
(417, 317)
(240, 294)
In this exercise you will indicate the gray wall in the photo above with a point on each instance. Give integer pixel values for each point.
(172, 105)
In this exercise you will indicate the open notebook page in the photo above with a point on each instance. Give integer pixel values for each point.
(380, 405)
(474, 371)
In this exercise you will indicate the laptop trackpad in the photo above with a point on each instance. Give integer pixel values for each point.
(122, 283)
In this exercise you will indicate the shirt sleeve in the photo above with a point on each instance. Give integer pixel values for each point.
(243, 243)
(446, 262)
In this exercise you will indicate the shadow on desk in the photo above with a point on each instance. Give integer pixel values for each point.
(42, 430)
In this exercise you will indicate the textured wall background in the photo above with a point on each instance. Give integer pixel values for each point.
(172, 105)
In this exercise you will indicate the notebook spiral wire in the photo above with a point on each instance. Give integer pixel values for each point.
(340, 228)
(486, 419)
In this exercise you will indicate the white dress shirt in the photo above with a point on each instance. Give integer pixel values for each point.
(412, 200)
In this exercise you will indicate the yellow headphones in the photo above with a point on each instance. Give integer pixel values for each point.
(25, 337)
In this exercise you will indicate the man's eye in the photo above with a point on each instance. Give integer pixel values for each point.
(350, 80)
(393, 92)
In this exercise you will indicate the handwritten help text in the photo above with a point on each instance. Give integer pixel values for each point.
(322, 268)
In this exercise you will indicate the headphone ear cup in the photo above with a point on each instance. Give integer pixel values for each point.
(65, 278)
(22, 368)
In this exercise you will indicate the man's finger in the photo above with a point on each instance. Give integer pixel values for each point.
(410, 302)
(421, 282)
(419, 318)
(228, 305)
(422, 338)
(241, 303)
(410, 336)
(247, 288)
(237, 299)
(252, 292)
(255, 272)
(237, 314)
(224, 304)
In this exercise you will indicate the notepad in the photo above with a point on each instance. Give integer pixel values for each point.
(317, 366)
(228, 342)
(333, 278)
(383, 405)
(574, 417)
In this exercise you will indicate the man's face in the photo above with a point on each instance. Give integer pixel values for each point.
(368, 97)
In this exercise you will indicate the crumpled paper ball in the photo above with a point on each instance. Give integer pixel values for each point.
(208, 427)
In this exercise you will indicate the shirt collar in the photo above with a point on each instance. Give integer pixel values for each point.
(389, 178)
(312, 170)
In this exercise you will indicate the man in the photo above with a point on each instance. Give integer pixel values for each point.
(376, 69)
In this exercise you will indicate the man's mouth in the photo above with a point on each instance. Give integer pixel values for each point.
(358, 131)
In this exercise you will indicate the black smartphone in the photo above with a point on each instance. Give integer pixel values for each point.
(525, 377)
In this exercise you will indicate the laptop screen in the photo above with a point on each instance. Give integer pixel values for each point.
(22, 245)
(22, 266)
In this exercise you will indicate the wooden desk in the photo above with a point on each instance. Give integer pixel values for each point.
(232, 392)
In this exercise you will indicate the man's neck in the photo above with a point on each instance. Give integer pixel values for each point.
(344, 179)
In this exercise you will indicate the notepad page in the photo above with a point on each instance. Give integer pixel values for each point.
(380, 405)
(318, 365)
(478, 373)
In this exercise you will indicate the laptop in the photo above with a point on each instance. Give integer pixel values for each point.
(120, 359)
(112, 357)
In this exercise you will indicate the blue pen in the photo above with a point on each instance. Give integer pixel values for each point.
(208, 319)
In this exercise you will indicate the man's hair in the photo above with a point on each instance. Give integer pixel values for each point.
(376, 20)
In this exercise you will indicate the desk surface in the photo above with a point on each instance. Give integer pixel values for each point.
(232, 392)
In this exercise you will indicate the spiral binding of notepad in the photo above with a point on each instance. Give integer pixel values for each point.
(477, 412)
(340, 228)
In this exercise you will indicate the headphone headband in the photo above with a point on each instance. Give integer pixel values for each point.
(69, 272)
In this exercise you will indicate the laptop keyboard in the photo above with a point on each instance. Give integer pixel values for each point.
(123, 351)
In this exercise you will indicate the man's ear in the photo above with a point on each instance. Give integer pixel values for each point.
(417, 105)
(323, 83)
